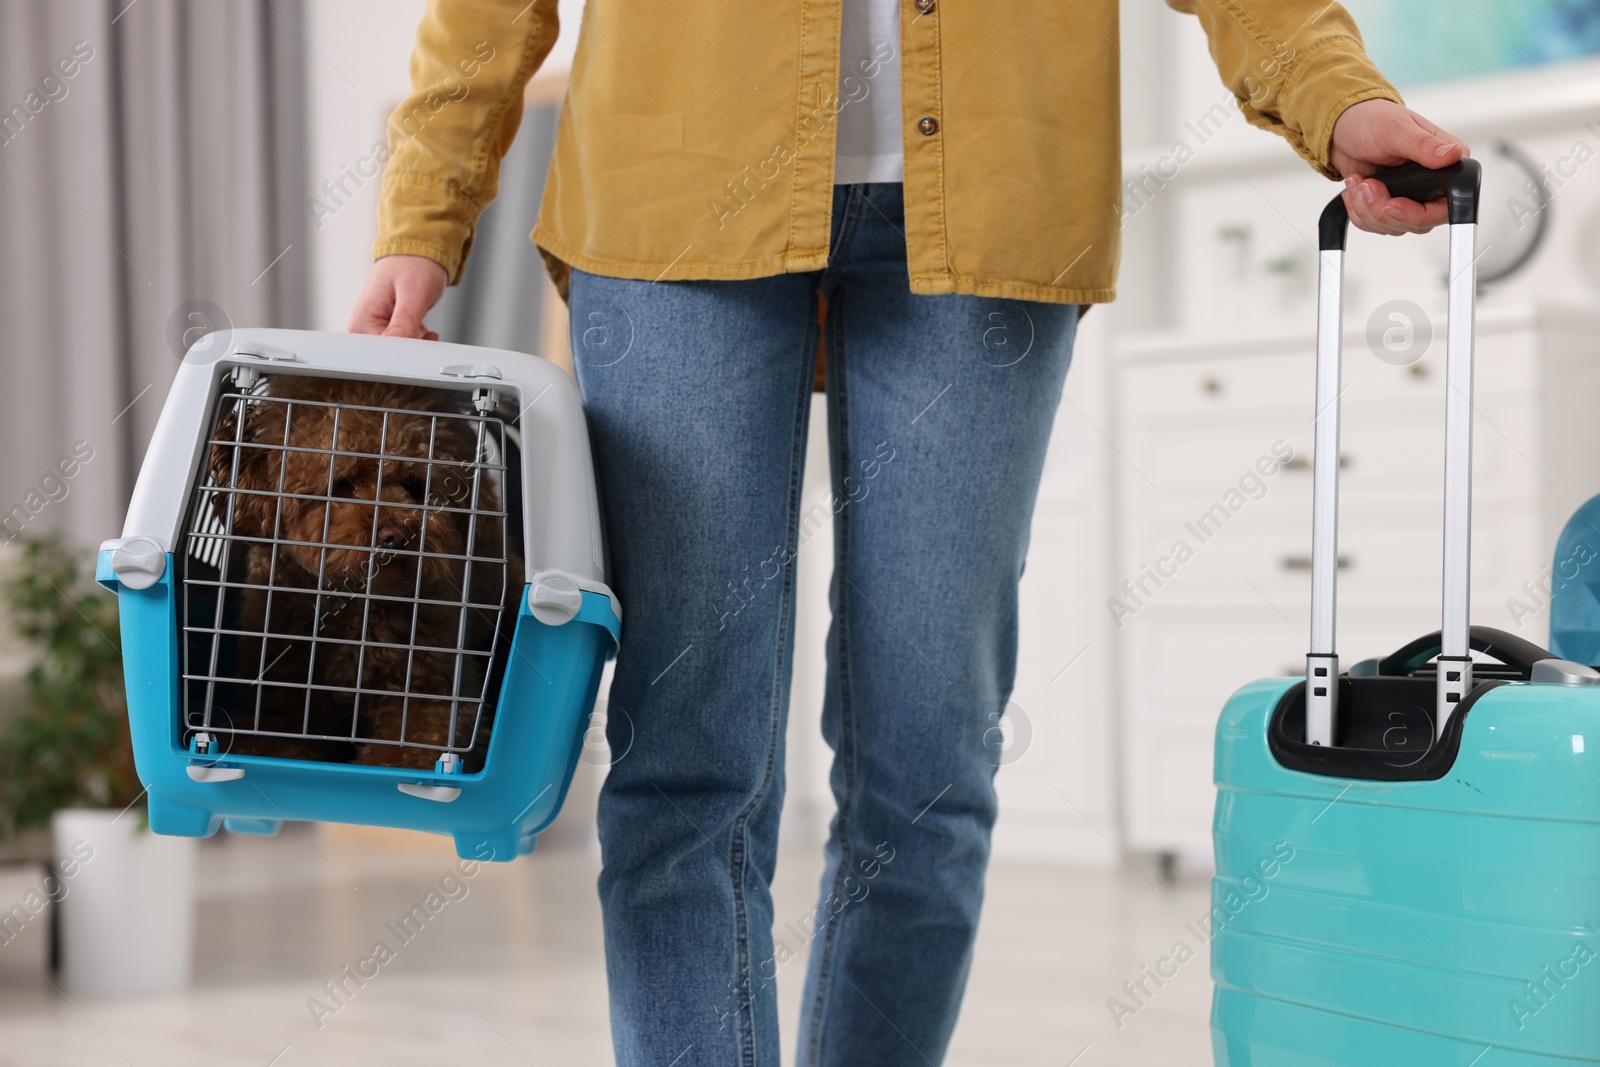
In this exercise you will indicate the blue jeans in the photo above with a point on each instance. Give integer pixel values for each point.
(940, 408)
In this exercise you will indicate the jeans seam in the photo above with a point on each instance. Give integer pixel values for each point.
(847, 231)
(738, 845)
(847, 741)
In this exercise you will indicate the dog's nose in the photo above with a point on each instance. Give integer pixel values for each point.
(391, 536)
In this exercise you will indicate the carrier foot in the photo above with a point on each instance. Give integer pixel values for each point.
(174, 821)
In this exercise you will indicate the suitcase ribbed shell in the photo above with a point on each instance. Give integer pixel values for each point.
(1415, 922)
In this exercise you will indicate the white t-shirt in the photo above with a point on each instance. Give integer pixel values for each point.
(869, 146)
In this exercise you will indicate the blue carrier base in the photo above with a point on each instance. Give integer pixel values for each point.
(549, 688)
(1416, 922)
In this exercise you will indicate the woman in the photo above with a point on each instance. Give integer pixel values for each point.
(946, 176)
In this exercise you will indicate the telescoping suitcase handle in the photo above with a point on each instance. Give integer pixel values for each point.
(1459, 185)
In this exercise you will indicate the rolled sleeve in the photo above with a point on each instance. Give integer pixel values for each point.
(472, 61)
(1294, 66)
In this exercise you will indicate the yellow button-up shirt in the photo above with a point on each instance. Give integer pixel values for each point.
(697, 136)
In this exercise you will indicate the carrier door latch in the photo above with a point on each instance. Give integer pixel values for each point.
(201, 744)
(257, 350)
(444, 794)
(139, 562)
(471, 370)
(554, 598)
(202, 773)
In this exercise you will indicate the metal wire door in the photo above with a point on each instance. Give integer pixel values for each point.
(347, 567)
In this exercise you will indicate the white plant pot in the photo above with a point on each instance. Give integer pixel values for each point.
(127, 919)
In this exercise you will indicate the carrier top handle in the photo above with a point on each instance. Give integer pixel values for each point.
(1459, 184)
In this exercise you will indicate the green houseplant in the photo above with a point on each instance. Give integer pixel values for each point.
(69, 746)
(126, 913)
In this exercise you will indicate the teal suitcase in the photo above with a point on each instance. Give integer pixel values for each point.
(1408, 851)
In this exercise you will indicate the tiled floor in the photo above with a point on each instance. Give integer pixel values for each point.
(511, 973)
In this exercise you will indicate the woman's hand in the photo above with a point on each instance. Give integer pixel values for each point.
(1376, 134)
(400, 290)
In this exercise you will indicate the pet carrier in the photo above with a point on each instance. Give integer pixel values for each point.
(362, 580)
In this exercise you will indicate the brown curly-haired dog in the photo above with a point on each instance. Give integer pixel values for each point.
(387, 612)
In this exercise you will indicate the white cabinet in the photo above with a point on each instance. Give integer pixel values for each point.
(1213, 525)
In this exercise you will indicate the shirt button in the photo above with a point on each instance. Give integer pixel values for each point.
(928, 125)
(925, 6)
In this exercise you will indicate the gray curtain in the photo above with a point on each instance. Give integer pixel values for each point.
(151, 186)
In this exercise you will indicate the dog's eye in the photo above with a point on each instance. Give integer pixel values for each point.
(344, 487)
(416, 487)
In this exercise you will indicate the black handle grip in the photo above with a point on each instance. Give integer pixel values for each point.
(1513, 651)
(1459, 183)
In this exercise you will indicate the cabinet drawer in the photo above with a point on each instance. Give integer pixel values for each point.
(1390, 552)
(1216, 386)
(1382, 457)
(1284, 380)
